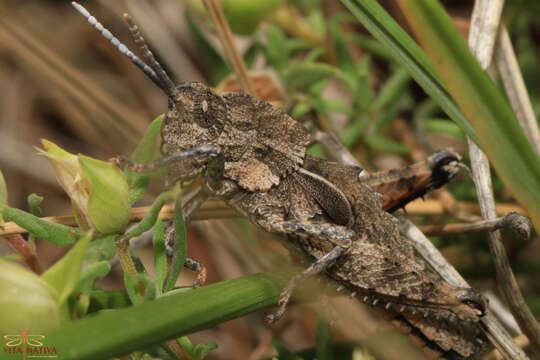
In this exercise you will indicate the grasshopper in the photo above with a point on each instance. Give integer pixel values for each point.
(253, 156)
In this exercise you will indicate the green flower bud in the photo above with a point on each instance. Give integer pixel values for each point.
(70, 177)
(108, 205)
(98, 190)
(26, 301)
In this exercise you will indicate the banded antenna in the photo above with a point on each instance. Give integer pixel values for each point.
(155, 71)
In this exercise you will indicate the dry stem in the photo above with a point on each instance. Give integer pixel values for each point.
(484, 30)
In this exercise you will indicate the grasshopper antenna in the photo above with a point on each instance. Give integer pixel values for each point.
(123, 49)
(166, 83)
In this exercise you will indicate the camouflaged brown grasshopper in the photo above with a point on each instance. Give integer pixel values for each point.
(253, 156)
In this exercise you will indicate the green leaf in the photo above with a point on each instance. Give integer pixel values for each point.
(303, 75)
(277, 51)
(144, 153)
(108, 203)
(323, 344)
(90, 275)
(101, 249)
(64, 274)
(33, 203)
(151, 216)
(203, 349)
(301, 109)
(378, 141)
(56, 234)
(84, 286)
(409, 55)
(119, 332)
(392, 89)
(3, 195)
(131, 288)
(102, 300)
(442, 126)
(482, 102)
(186, 345)
(160, 256)
(345, 60)
(283, 352)
(180, 247)
(334, 105)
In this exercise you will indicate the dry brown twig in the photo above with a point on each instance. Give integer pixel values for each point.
(485, 24)
(227, 41)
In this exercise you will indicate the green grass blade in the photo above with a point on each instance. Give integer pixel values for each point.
(408, 54)
(115, 333)
(481, 101)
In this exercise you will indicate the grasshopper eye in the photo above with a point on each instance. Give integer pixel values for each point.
(203, 106)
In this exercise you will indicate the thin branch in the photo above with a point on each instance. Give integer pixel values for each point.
(227, 41)
(518, 223)
(507, 65)
(484, 30)
(218, 210)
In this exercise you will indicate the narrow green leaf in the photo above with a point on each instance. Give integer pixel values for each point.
(372, 46)
(203, 349)
(483, 103)
(151, 216)
(300, 110)
(442, 126)
(119, 332)
(409, 54)
(392, 89)
(283, 352)
(180, 247)
(144, 153)
(84, 286)
(160, 256)
(56, 234)
(345, 60)
(378, 141)
(302, 75)
(277, 51)
(186, 345)
(101, 249)
(131, 289)
(324, 350)
(334, 105)
(64, 274)
(102, 300)
(34, 201)
(91, 274)
(3, 196)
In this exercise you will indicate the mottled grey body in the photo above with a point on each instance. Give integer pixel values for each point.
(322, 207)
